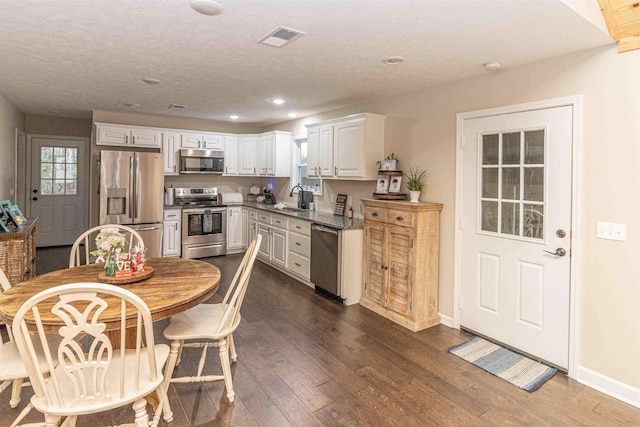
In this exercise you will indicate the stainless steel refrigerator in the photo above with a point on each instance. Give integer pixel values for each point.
(132, 192)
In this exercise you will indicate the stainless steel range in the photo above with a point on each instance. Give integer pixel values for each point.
(204, 222)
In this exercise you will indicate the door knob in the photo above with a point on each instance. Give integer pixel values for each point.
(34, 198)
(561, 233)
(558, 252)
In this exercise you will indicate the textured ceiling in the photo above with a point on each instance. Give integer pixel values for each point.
(77, 55)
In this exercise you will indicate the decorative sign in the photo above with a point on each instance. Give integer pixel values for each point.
(341, 201)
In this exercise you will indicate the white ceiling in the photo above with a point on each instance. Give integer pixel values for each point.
(77, 55)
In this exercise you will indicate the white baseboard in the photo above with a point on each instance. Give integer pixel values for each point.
(446, 320)
(609, 386)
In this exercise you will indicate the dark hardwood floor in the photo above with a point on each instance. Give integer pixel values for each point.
(304, 360)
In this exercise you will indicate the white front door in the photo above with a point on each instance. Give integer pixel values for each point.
(516, 230)
(57, 195)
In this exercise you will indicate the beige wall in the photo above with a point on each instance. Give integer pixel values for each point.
(421, 126)
(58, 126)
(10, 119)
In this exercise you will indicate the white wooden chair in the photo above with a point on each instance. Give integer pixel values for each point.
(214, 322)
(13, 372)
(92, 376)
(88, 239)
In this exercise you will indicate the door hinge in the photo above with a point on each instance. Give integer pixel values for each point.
(411, 246)
(410, 306)
(365, 285)
(461, 223)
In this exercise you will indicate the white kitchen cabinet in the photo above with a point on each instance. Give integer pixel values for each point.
(170, 152)
(247, 153)
(171, 241)
(347, 147)
(202, 140)
(234, 228)
(299, 261)
(320, 151)
(273, 229)
(245, 228)
(266, 160)
(123, 135)
(230, 155)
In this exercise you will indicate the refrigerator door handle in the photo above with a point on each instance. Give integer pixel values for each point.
(131, 187)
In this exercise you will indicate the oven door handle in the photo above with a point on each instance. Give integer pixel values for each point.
(201, 210)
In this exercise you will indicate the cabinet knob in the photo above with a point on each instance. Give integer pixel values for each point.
(374, 214)
(399, 218)
(336, 169)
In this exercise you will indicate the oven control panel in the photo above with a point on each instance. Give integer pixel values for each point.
(196, 192)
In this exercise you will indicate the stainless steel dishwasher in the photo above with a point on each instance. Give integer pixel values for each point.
(325, 259)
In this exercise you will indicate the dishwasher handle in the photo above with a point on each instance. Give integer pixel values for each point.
(324, 229)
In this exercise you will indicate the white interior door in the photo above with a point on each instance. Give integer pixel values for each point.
(58, 189)
(516, 228)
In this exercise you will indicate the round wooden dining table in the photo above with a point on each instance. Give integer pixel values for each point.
(176, 285)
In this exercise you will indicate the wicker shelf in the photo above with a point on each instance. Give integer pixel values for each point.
(18, 252)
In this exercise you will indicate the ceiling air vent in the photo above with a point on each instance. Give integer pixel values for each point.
(280, 37)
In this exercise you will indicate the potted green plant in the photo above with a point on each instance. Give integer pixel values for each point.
(415, 183)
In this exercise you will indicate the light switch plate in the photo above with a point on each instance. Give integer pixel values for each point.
(611, 231)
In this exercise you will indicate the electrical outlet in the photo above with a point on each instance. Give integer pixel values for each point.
(611, 231)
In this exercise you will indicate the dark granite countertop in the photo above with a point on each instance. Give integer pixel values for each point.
(330, 220)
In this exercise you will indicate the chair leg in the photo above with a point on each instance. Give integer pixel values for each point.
(23, 414)
(232, 349)
(226, 368)
(176, 346)
(142, 417)
(167, 414)
(51, 420)
(180, 353)
(16, 389)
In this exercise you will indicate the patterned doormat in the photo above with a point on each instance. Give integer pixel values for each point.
(520, 371)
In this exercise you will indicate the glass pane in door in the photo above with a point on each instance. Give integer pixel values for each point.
(58, 171)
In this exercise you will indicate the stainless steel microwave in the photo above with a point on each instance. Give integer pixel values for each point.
(201, 161)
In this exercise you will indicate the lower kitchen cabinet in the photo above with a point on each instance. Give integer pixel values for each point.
(274, 245)
(234, 229)
(171, 241)
(300, 247)
(401, 243)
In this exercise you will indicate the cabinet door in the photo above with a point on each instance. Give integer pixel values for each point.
(279, 247)
(266, 155)
(230, 155)
(112, 135)
(348, 138)
(313, 141)
(234, 227)
(146, 138)
(247, 151)
(265, 245)
(399, 284)
(325, 151)
(171, 239)
(245, 228)
(190, 140)
(169, 152)
(211, 141)
(374, 261)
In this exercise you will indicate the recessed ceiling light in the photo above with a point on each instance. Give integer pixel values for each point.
(278, 101)
(292, 115)
(206, 7)
(56, 111)
(150, 81)
(492, 66)
(234, 117)
(131, 105)
(393, 60)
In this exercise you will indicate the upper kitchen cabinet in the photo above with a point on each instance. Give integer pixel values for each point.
(247, 152)
(230, 155)
(170, 152)
(202, 140)
(267, 154)
(347, 147)
(274, 154)
(122, 135)
(320, 151)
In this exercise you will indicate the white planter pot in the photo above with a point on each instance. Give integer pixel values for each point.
(414, 196)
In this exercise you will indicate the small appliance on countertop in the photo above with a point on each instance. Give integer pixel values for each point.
(227, 199)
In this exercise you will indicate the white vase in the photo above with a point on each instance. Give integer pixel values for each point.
(414, 196)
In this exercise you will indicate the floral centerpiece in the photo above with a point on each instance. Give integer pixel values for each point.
(109, 242)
